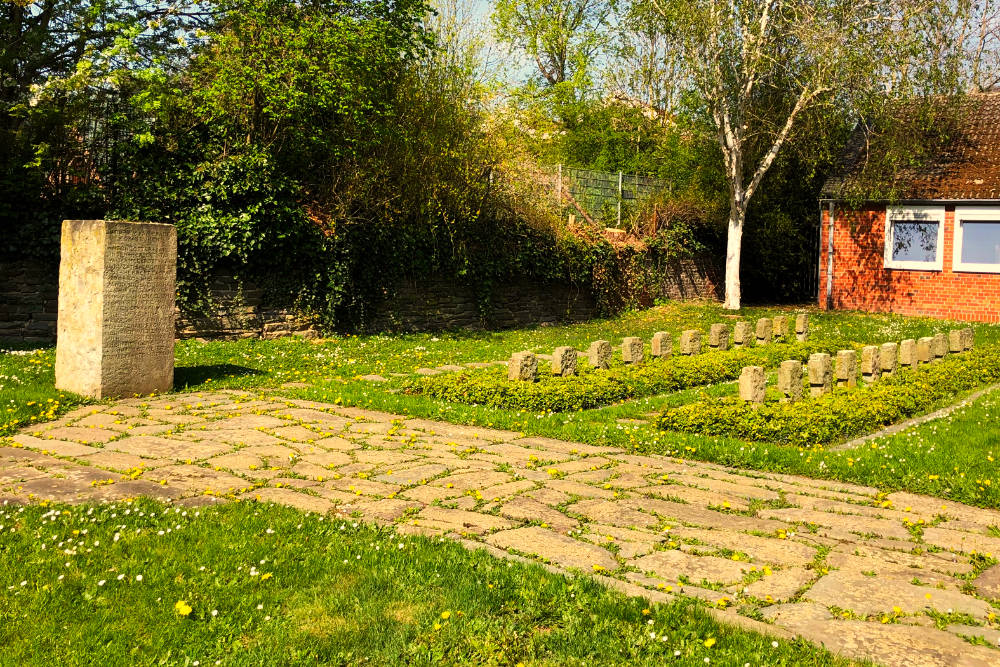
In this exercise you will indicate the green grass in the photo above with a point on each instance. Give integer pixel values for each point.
(261, 584)
(331, 368)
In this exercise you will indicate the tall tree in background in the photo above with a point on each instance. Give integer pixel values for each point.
(761, 66)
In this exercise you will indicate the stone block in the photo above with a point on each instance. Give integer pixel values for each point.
(690, 342)
(661, 345)
(599, 353)
(790, 379)
(522, 366)
(820, 374)
(888, 358)
(939, 346)
(871, 364)
(764, 331)
(955, 342)
(847, 368)
(908, 353)
(752, 384)
(116, 308)
(779, 326)
(564, 361)
(718, 336)
(742, 335)
(925, 349)
(632, 350)
(968, 338)
(802, 327)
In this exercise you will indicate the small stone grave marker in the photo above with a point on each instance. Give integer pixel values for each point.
(955, 341)
(925, 350)
(780, 326)
(564, 361)
(790, 380)
(600, 354)
(752, 384)
(661, 345)
(718, 336)
(522, 366)
(847, 368)
(820, 374)
(742, 335)
(968, 338)
(690, 342)
(802, 327)
(888, 357)
(939, 346)
(764, 331)
(908, 353)
(632, 350)
(871, 365)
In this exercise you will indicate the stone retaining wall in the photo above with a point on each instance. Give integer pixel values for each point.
(29, 296)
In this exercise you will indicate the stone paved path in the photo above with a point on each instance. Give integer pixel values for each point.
(892, 578)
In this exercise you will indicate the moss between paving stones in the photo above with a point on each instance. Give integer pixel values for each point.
(842, 413)
(594, 387)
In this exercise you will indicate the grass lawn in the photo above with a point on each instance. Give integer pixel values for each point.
(259, 584)
(332, 367)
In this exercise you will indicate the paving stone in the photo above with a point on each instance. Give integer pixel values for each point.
(157, 447)
(856, 524)
(470, 481)
(989, 634)
(771, 551)
(120, 461)
(461, 521)
(291, 498)
(988, 583)
(82, 435)
(781, 585)
(698, 496)
(386, 509)
(555, 548)
(611, 513)
(673, 564)
(415, 475)
(197, 479)
(578, 489)
(55, 447)
(528, 509)
(869, 596)
(691, 514)
(955, 540)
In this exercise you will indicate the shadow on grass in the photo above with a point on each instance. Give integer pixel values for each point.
(188, 376)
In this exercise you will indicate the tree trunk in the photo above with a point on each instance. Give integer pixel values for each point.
(734, 246)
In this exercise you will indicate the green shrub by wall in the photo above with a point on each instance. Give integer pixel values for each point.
(842, 413)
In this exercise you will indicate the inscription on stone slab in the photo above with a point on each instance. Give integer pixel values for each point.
(718, 336)
(564, 361)
(599, 353)
(752, 385)
(632, 350)
(662, 345)
(764, 330)
(116, 308)
(742, 335)
(690, 342)
(790, 379)
(820, 374)
(847, 368)
(522, 366)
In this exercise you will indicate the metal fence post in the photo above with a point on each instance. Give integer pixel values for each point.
(619, 199)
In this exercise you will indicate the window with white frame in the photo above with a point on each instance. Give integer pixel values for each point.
(977, 239)
(914, 237)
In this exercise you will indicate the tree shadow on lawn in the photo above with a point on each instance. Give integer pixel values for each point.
(189, 376)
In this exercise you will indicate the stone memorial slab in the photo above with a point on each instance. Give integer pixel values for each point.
(718, 336)
(632, 350)
(116, 308)
(690, 342)
(925, 349)
(802, 327)
(662, 345)
(765, 331)
(790, 380)
(599, 353)
(742, 335)
(871, 364)
(820, 374)
(955, 341)
(968, 338)
(522, 366)
(779, 325)
(847, 368)
(564, 361)
(752, 384)
(908, 353)
(888, 357)
(939, 346)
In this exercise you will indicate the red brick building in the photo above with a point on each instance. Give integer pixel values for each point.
(933, 251)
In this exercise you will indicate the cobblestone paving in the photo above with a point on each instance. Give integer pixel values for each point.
(894, 578)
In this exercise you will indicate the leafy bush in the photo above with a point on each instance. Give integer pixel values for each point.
(593, 388)
(842, 413)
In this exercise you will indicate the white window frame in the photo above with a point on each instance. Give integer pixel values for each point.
(962, 213)
(914, 214)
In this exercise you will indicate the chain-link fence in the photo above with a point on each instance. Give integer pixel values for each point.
(605, 195)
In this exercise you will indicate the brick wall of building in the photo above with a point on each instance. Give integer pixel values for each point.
(860, 281)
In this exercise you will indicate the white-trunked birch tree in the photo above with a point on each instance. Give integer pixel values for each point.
(761, 66)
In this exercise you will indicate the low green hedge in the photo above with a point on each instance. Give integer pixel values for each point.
(593, 388)
(842, 413)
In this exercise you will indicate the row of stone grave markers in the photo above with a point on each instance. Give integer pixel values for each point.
(524, 365)
(876, 361)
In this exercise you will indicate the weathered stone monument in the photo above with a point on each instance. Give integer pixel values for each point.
(847, 368)
(522, 366)
(752, 384)
(790, 380)
(888, 357)
(764, 330)
(742, 335)
(802, 327)
(690, 342)
(780, 326)
(939, 346)
(632, 350)
(661, 345)
(820, 374)
(599, 353)
(908, 353)
(564, 361)
(956, 342)
(871, 364)
(116, 308)
(718, 336)
(925, 349)
(968, 338)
